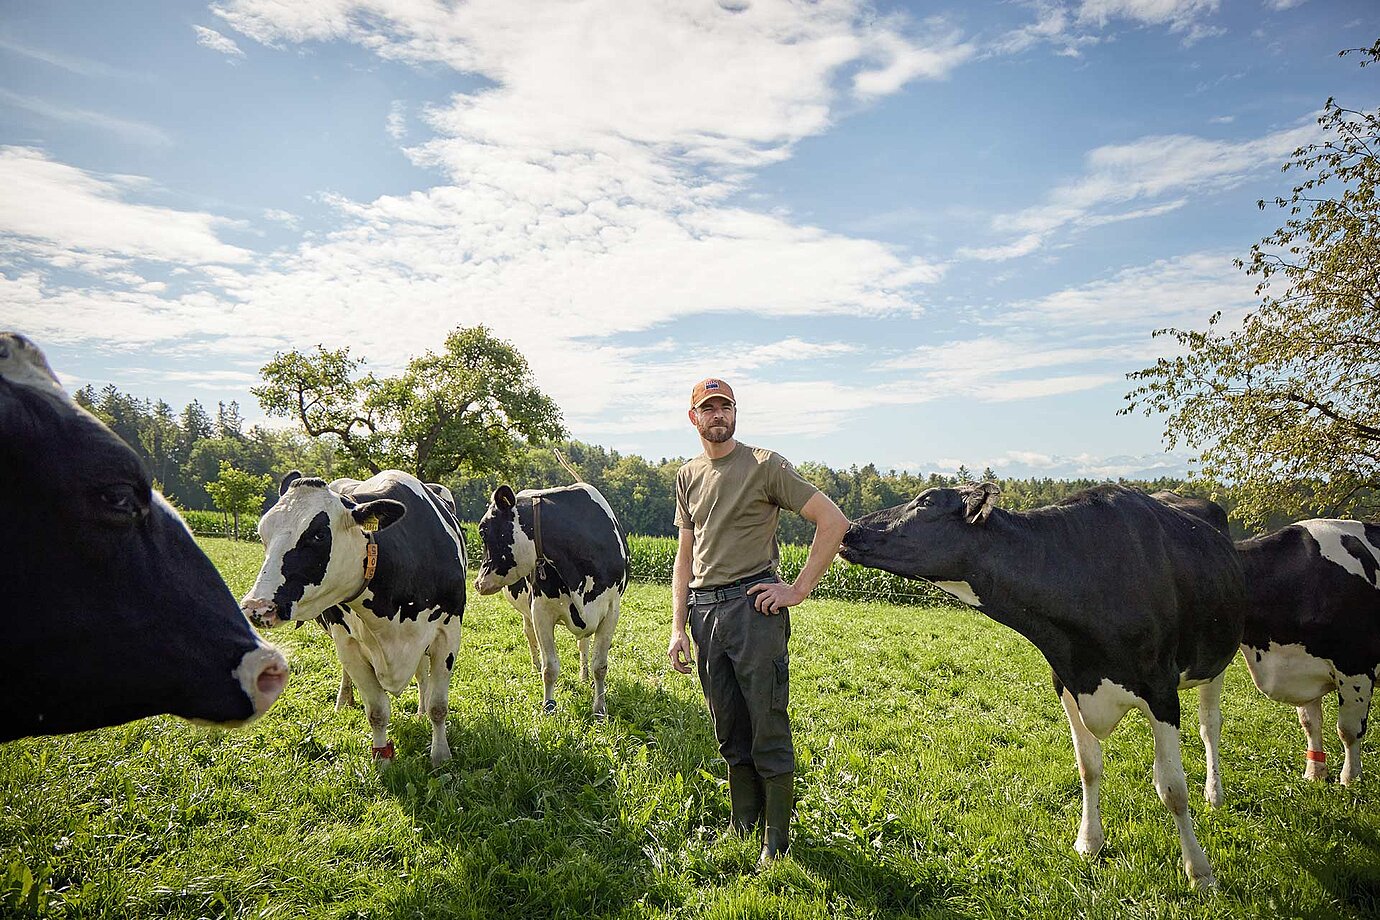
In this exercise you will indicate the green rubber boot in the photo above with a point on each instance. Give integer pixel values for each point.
(745, 798)
(780, 799)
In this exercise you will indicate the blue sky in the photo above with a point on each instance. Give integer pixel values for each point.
(912, 234)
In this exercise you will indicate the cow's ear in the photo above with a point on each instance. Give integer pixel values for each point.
(504, 499)
(287, 482)
(979, 500)
(379, 514)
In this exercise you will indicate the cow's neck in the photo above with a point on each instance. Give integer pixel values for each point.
(1022, 593)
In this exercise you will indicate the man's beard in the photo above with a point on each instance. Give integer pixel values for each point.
(718, 433)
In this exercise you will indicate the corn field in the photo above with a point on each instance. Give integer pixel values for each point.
(654, 557)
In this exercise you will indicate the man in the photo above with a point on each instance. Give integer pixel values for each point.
(725, 584)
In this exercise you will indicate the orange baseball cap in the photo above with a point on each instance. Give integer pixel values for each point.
(707, 389)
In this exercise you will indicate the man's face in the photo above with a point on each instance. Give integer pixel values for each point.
(715, 420)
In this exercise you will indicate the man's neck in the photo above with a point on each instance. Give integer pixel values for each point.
(719, 450)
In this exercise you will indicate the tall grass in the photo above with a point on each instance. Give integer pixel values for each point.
(936, 779)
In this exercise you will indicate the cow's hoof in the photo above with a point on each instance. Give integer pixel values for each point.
(1318, 775)
(1088, 847)
(1205, 881)
(384, 755)
(1214, 796)
(601, 715)
(438, 759)
(548, 707)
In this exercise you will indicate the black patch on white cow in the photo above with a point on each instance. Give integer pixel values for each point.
(1362, 554)
(304, 564)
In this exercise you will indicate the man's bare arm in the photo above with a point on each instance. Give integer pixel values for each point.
(830, 526)
(679, 649)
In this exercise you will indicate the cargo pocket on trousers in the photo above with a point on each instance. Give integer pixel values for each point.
(781, 690)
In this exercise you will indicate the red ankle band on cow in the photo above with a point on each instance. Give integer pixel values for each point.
(1317, 756)
(385, 752)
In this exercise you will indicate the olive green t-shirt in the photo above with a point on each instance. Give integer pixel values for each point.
(733, 504)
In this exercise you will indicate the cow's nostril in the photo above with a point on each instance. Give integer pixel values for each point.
(270, 683)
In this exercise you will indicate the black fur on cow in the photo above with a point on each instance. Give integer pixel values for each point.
(578, 581)
(1128, 600)
(399, 619)
(111, 611)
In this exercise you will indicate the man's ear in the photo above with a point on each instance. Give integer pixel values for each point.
(379, 514)
(979, 500)
(287, 482)
(503, 498)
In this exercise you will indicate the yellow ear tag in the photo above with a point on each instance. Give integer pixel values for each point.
(369, 524)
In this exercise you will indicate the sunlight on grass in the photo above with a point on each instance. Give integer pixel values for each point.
(936, 779)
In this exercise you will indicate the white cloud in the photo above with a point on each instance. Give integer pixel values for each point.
(278, 216)
(396, 125)
(210, 38)
(1179, 15)
(1144, 170)
(137, 132)
(1182, 291)
(80, 212)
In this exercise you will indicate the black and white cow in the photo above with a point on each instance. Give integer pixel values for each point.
(391, 618)
(110, 610)
(1129, 601)
(563, 558)
(1314, 622)
(1314, 627)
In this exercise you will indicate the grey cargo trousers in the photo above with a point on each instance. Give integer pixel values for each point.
(744, 671)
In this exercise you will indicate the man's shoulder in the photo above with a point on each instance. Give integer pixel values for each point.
(763, 456)
(689, 467)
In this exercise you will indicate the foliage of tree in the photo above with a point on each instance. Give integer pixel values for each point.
(1286, 407)
(236, 492)
(469, 409)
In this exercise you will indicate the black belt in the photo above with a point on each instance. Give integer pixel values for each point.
(731, 590)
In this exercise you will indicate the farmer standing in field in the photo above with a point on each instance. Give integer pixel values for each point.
(728, 500)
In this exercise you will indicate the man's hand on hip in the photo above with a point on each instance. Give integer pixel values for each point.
(773, 597)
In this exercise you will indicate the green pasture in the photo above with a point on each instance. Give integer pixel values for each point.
(936, 780)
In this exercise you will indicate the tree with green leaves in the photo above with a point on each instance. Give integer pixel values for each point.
(236, 492)
(1286, 407)
(470, 408)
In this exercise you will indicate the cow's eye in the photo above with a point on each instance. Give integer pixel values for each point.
(120, 503)
(318, 536)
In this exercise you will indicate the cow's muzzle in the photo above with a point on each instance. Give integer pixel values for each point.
(262, 613)
(487, 583)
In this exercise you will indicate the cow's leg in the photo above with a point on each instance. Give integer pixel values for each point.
(584, 660)
(377, 706)
(533, 644)
(1210, 730)
(599, 660)
(423, 685)
(345, 696)
(544, 621)
(1088, 750)
(440, 656)
(1353, 710)
(1173, 792)
(1315, 763)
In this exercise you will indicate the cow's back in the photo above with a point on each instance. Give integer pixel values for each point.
(1158, 580)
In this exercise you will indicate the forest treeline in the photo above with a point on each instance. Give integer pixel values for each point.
(184, 451)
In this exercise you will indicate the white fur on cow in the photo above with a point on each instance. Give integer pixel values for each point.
(391, 620)
(1129, 601)
(113, 611)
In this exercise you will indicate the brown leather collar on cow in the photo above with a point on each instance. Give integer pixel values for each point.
(371, 563)
(536, 536)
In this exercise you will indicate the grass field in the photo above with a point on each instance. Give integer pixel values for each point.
(936, 780)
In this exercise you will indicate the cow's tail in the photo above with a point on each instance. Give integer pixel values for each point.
(568, 468)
